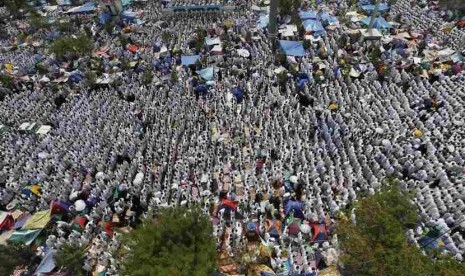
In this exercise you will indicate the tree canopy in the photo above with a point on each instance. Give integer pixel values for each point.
(13, 256)
(377, 244)
(70, 258)
(177, 241)
(81, 44)
(289, 7)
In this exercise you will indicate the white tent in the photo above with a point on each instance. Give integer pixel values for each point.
(371, 34)
(44, 129)
(243, 53)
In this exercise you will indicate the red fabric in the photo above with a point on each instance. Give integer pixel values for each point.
(231, 204)
(108, 227)
(317, 229)
(7, 223)
(82, 221)
(58, 207)
(133, 48)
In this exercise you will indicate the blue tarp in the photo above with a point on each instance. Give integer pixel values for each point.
(379, 23)
(207, 73)
(201, 88)
(292, 48)
(64, 2)
(104, 18)
(326, 17)
(304, 15)
(238, 94)
(197, 7)
(86, 8)
(188, 60)
(76, 77)
(301, 82)
(263, 21)
(314, 26)
(48, 263)
(383, 7)
(128, 16)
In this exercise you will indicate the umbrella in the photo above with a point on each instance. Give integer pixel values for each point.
(79, 205)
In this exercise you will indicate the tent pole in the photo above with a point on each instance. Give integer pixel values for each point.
(273, 22)
(373, 16)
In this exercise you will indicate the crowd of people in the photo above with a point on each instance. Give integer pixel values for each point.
(273, 147)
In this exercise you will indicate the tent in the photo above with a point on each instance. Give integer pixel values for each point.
(21, 220)
(243, 53)
(315, 26)
(130, 16)
(263, 21)
(304, 15)
(86, 8)
(188, 60)
(379, 23)
(292, 48)
(373, 34)
(238, 94)
(212, 41)
(295, 207)
(24, 236)
(38, 220)
(64, 2)
(47, 264)
(207, 73)
(6, 221)
(133, 48)
(369, 9)
(330, 19)
(76, 77)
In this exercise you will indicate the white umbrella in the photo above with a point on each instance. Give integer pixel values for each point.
(305, 228)
(243, 53)
(79, 205)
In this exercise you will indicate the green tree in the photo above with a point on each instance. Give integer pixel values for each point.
(14, 6)
(80, 44)
(166, 36)
(91, 78)
(7, 81)
(147, 76)
(289, 7)
(71, 258)
(39, 22)
(377, 243)
(178, 241)
(13, 256)
(174, 76)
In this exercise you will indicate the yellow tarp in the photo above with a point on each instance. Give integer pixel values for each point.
(37, 221)
(257, 269)
(330, 271)
(9, 67)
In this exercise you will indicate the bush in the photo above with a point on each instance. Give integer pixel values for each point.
(377, 243)
(81, 45)
(178, 241)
